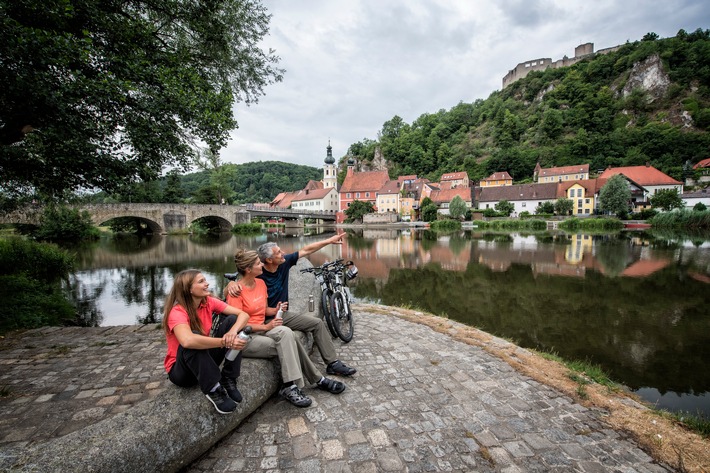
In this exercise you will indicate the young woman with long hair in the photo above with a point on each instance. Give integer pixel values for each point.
(194, 354)
(273, 338)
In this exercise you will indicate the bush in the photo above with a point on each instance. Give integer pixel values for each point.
(30, 275)
(528, 224)
(491, 213)
(645, 214)
(445, 225)
(591, 224)
(699, 207)
(64, 224)
(247, 228)
(692, 219)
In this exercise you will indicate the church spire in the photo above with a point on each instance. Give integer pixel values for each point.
(329, 159)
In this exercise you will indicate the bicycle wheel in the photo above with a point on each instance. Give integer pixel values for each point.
(325, 306)
(342, 317)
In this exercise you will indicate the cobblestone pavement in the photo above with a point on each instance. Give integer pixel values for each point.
(57, 380)
(423, 402)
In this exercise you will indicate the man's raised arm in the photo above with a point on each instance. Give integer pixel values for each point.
(313, 247)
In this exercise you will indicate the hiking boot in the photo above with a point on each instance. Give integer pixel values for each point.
(340, 368)
(221, 401)
(331, 385)
(294, 395)
(230, 385)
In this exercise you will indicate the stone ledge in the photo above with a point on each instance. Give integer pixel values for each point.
(165, 433)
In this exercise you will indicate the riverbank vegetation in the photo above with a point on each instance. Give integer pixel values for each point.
(591, 224)
(30, 284)
(687, 219)
(445, 225)
(510, 224)
(246, 228)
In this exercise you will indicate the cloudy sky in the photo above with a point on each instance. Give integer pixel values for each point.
(352, 65)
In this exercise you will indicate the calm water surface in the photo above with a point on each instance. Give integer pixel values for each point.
(637, 304)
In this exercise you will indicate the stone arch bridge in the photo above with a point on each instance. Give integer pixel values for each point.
(164, 218)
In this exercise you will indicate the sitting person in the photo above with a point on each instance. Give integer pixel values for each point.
(273, 338)
(194, 355)
(277, 266)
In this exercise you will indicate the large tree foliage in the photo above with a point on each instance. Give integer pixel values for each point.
(96, 93)
(358, 209)
(564, 206)
(457, 207)
(667, 199)
(615, 196)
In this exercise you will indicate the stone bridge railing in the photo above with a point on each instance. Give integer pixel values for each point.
(164, 218)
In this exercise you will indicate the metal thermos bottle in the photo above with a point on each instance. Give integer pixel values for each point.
(244, 335)
(311, 303)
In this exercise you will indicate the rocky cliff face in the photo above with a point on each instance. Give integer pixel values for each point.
(650, 77)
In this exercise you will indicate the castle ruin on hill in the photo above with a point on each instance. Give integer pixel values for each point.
(524, 68)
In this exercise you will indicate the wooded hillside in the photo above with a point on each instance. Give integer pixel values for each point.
(649, 101)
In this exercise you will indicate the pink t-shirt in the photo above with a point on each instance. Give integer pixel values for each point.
(252, 301)
(178, 315)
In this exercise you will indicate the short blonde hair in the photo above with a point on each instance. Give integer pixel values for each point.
(245, 259)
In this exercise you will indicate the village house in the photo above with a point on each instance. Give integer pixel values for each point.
(319, 200)
(584, 195)
(647, 179)
(411, 197)
(559, 174)
(454, 179)
(443, 197)
(388, 197)
(497, 179)
(362, 186)
(524, 197)
(691, 199)
(703, 170)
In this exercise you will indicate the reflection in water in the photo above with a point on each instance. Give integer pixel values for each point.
(634, 303)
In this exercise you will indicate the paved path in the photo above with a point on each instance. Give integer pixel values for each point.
(422, 402)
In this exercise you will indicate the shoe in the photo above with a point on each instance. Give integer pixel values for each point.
(331, 385)
(230, 385)
(339, 368)
(294, 395)
(221, 401)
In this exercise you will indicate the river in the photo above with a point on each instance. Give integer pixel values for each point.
(637, 304)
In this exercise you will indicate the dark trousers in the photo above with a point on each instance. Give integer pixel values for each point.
(202, 366)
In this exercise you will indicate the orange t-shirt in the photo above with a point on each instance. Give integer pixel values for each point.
(252, 300)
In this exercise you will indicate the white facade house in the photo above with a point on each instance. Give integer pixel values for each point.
(690, 199)
(524, 197)
(322, 200)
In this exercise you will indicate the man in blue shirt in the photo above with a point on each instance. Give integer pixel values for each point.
(277, 266)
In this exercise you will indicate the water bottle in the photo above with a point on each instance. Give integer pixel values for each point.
(244, 335)
(311, 303)
(280, 313)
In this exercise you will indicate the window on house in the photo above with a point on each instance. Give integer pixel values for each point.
(586, 211)
(579, 211)
(348, 195)
(367, 194)
(357, 195)
(586, 201)
(579, 203)
(524, 204)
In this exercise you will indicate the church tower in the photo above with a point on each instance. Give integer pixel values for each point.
(330, 178)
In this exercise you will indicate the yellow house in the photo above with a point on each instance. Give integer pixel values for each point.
(497, 179)
(581, 193)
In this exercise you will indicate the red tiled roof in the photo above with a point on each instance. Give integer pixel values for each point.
(544, 191)
(446, 195)
(390, 187)
(591, 186)
(642, 175)
(705, 163)
(498, 176)
(370, 181)
(311, 194)
(283, 200)
(453, 176)
(314, 185)
(560, 171)
(411, 177)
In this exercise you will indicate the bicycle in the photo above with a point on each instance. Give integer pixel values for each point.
(336, 297)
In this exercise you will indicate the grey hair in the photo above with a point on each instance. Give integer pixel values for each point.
(266, 250)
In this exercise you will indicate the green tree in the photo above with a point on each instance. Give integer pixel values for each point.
(172, 193)
(700, 207)
(66, 224)
(505, 207)
(615, 196)
(667, 200)
(546, 207)
(563, 206)
(220, 177)
(97, 93)
(357, 209)
(457, 207)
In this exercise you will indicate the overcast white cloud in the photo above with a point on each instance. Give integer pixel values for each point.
(352, 65)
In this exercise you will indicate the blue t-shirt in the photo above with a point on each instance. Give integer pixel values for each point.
(277, 282)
